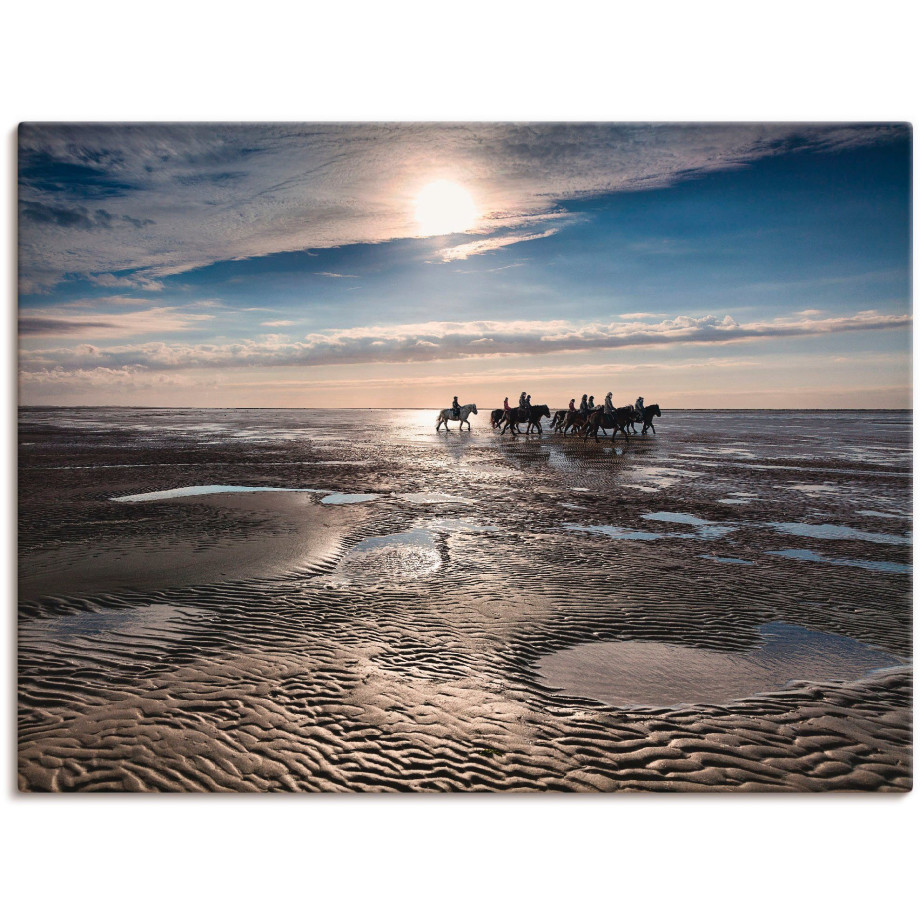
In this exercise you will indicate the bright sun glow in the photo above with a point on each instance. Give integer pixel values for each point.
(444, 207)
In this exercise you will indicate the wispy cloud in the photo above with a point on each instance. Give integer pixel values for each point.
(465, 250)
(69, 323)
(443, 341)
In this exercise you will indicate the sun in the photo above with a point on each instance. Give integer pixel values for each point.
(444, 207)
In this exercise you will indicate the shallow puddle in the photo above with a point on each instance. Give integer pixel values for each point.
(410, 554)
(873, 565)
(705, 530)
(839, 532)
(343, 498)
(435, 498)
(154, 621)
(620, 533)
(663, 675)
(203, 490)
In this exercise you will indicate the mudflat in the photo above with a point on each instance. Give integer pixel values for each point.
(368, 605)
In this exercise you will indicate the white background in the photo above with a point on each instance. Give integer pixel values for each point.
(454, 856)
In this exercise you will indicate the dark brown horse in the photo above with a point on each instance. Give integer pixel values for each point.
(575, 420)
(617, 420)
(558, 418)
(513, 418)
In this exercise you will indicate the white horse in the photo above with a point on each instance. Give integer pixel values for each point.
(465, 411)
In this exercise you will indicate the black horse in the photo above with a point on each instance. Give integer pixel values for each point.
(558, 418)
(496, 417)
(650, 412)
(513, 418)
(617, 420)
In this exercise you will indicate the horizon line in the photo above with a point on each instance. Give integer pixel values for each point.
(437, 408)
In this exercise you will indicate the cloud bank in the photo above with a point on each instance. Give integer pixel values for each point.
(426, 342)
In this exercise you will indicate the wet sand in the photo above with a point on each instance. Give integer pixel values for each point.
(396, 637)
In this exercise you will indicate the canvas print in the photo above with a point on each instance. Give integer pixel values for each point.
(482, 457)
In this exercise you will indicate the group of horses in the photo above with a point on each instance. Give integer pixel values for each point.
(585, 423)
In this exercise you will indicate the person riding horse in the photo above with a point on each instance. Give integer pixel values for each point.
(522, 400)
(455, 408)
(608, 403)
(584, 403)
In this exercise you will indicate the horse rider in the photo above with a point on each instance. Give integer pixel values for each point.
(640, 408)
(527, 403)
(608, 403)
(572, 404)
(590, 403)
(522, 400)
(584, 403)
(455, 408)
(506, 407)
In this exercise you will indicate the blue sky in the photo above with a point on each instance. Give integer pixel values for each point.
(257, 265)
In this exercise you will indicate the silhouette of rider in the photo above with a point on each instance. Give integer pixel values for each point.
(608, 403)
(455, 408)
(584, 403)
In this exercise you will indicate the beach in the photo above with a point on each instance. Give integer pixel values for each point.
(347, 600)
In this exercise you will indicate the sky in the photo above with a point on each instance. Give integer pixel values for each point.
(399, 265)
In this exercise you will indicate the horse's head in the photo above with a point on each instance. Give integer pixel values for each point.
(473, 409)
(544, 411)
(657, 410)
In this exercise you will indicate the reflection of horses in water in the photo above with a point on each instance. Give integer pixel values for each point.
(446, 414)
(648, 413)
(515, 417)
(617, 420)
